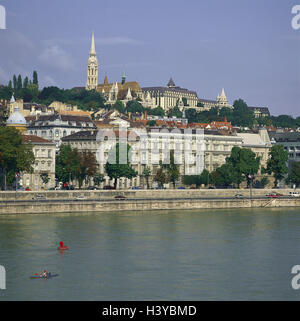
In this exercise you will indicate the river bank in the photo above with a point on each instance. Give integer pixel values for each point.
(104, 201)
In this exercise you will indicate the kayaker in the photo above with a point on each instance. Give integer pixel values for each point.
(44, 274)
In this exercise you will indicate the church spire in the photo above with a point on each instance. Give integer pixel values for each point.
(92, 72)
(123, 78)
(93, 49)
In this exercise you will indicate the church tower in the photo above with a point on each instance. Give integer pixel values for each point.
(92, 72)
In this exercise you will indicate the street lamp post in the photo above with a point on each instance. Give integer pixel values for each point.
(251, 183)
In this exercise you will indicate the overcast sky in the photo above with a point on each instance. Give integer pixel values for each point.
(246, 46)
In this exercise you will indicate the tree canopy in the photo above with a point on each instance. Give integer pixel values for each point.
(115, 167)
(277, 163)
(294, 176)
(15, 156)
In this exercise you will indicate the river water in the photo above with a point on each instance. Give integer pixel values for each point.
(242, 254)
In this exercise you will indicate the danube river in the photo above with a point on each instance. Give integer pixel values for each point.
(237, 254)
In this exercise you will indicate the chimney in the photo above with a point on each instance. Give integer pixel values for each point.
(129, 115)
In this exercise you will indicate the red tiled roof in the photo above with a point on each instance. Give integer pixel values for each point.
(34, 139)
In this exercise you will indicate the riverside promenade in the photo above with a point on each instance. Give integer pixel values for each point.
(140, 200)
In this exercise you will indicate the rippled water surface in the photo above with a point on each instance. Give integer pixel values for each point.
(238, 254)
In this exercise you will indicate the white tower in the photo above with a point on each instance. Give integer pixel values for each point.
(92, 72)
(222, 99)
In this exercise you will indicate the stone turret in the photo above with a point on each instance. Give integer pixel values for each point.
(129, 95)
(222, 99)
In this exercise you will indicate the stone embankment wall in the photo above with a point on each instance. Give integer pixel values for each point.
(148, 194)
(103, 201)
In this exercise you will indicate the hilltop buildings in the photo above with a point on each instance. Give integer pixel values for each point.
(150, 97)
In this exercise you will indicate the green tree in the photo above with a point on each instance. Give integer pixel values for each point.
(32, 91)
(242, 115)
(67, 163)
(147, 174)
(19, 83)
(6, 93)
(158, 111)
(196, 180)
(26, 82)
(184, 100)
(175, 112)
(244, 163)
(134, 106)
(276, 164)
(119, 107)
(98, 179)
(223, 176)
(118, 164)
(35, 79)
(294, 176)
(161, 177)
(15, 155)
(15, 82)
(87, 167)
(151, 123)
(172, 169)
(205, 177)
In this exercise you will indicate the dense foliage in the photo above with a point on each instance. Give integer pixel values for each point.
(73, 165)
(28, 90)
(118, 164)
(15, 156)
(276, 164)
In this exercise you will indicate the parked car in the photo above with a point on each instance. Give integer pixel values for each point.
(181, 187)
(108, 187)
(93, 188)
(27, 189)
(239, 196)
(39, 197)
(120, 197)
(294, 194)
(80, 198)
(274, 195)
(135, 187)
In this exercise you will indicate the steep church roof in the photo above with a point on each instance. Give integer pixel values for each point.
(171, 83)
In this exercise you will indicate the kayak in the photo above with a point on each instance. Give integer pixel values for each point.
(49, 275)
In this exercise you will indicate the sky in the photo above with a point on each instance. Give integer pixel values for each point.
(247, 47)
